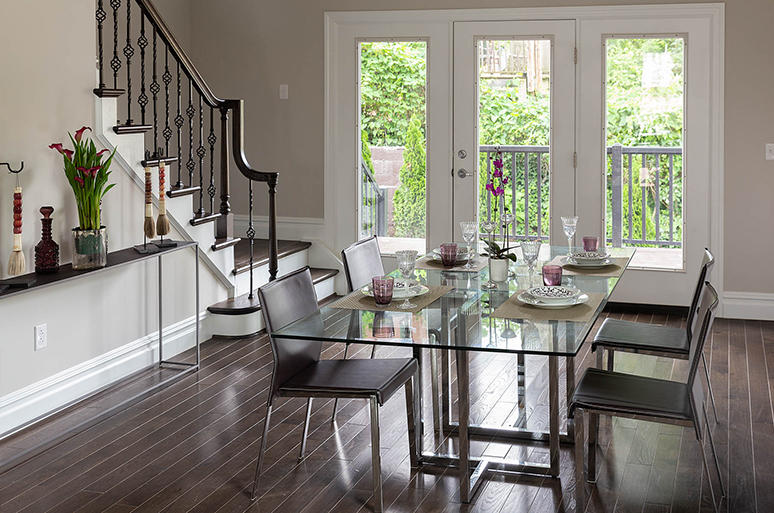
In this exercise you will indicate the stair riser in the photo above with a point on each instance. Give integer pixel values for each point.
(249, 324)
(261, 274)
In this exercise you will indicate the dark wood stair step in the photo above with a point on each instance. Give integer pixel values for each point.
(205, 218)
(244, 305)
(261, 252)
(177, 192)
(107, 92)
(225, 242)
(131, 129)
(156, 162)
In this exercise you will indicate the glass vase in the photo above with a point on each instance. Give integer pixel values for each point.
(90, 248)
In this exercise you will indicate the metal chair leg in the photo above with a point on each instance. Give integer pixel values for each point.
(376, 458)
(593, 432)
(336, 401)
(709, 387)
(435, 390)
(610, 360)
(600, 357)
(715, 456)
(262, 450)
(580, 485)
(709, 476)
(306, 429)
(412, 415)
(373, 351)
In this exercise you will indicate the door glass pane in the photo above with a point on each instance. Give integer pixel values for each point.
(644, 91)
(392, 141)
(514, 93)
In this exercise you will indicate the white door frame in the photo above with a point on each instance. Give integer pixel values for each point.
(340, 222)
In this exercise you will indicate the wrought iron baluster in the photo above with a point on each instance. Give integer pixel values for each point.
(212, 139)
(142, 42)
(155, 88)
(128, 53)
(190, 111)
(201, 152)
(250, 235)
(166, 78)
(101, 16)
(115, 62)
(179, 121)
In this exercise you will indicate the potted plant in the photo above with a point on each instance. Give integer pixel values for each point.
(498, 256)
(88, 176)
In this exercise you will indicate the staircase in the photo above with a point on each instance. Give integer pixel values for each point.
(176, 120)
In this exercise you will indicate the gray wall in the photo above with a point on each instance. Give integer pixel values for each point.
(246, 48)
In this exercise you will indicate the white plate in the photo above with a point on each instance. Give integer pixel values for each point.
(400, 293)
(524, 297)
(461, 259)
(590, 256)
(556, 294)
(587, 265)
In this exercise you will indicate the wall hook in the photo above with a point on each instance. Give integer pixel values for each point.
(6, 164)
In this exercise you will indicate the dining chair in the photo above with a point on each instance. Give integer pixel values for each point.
(299, 372)
(656, 340)
(604, 392)
(362, 261)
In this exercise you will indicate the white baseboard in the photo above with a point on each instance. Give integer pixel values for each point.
(748, 305)
(40, 399)
(288, 228)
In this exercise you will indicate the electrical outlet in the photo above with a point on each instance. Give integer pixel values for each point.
(283, 91)
(41, 333)
(770, 151)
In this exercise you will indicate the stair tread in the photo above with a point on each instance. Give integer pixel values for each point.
(261, 252)
(241, 305)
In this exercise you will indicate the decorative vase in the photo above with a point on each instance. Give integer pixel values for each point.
(90, 248)
(47, 251)
(498, 269)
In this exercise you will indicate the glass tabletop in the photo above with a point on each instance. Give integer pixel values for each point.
(461, 319)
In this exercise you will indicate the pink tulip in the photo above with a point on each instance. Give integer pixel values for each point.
(79, 133)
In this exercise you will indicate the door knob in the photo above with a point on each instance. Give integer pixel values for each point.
(462, 154)
(462, 173)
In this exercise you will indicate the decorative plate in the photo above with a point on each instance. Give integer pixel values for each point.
(461, 258)
(461, 251)
(598, 264)
(556, 294)
(400, 293)
(525, 297)
(590, 256)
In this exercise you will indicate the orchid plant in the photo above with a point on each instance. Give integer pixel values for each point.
(88, 176)
(496, 187)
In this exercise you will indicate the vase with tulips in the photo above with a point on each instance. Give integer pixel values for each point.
(87, 174)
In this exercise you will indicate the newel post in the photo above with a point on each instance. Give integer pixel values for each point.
(273, 260)
(224, 227)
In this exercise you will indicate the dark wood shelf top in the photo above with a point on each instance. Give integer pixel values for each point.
(67, 273)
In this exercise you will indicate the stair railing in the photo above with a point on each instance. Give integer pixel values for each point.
(186, 90)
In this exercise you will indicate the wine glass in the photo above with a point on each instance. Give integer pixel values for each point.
(469, 232)
(406, 260)
(489, 227)
(569, 224)
(530, 249)
(507, 220)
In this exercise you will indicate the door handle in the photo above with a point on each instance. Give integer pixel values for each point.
(462, 173)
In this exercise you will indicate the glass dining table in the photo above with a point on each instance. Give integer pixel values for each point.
(463, 318)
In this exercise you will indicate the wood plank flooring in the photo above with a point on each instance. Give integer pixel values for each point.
(193, 445)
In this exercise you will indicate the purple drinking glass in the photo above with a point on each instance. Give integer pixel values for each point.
(552, 275)
(382, 287)
(590, 244)
(449, 254)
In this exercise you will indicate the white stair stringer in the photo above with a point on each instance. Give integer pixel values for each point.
(131, 151)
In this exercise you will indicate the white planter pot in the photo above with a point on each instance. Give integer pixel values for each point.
(498, 269)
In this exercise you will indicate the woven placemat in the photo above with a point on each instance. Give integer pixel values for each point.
(359, 301)
(427, 262)
(612, 271)
(515, 309)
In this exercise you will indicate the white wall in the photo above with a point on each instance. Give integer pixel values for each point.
(47, 58)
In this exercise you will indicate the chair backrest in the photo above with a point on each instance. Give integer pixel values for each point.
(708, 261)
(709, 304)
(283, 301)
(362, 261)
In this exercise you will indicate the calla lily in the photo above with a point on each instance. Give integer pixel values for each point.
(58, 147)
(100, 153)
(93, 171)
(79, 133)
(79, 180)
(68, 153)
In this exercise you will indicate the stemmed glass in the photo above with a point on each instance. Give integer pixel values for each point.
(469, 232)
(530, 249)
(569, 224)
(507, 220)
(489, 227)
(406, 260)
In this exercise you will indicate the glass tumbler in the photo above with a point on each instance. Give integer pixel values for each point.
(449, 254)
(552, 275)
(382, 287)
(590, 244)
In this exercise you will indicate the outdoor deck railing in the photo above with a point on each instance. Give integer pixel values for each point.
(527, 169)
(374, 218)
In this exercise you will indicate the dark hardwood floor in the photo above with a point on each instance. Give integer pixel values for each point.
(192, 446)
